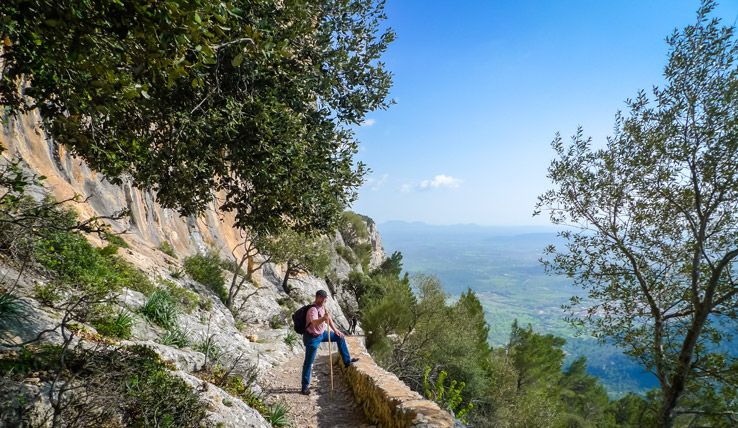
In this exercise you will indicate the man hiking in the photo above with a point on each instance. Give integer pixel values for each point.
(315, 334)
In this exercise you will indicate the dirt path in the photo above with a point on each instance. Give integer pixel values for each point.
(315, 410)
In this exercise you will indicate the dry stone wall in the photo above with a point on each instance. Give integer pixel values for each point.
(386, 400)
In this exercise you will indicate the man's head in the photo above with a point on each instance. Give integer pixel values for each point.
(320, 297)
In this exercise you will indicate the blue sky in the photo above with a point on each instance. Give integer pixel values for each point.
(483, 86)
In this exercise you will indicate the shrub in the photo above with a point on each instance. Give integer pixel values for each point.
(116, 240)
(206, 270)
(206, 304)
(161, 309)
(48, 294)
(186, 299)
(108, 250)
(176, 273)
(176, 337)
(278, 414)
(346, 254)
(208, 347)
(290, 340)
(77, 263)
(129, 383)
(118, 326)
(131, 277)
(12, 308)
(166, 248)
(363, 255)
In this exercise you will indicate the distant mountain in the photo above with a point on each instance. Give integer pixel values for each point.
(397, 226)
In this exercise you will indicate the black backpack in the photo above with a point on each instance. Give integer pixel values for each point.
(299, 318)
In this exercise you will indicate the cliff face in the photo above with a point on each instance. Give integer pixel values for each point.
(148, 224)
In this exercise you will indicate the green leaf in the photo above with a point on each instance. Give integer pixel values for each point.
(237, 60)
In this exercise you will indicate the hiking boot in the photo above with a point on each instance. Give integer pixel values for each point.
(305, 391)
(353, 360)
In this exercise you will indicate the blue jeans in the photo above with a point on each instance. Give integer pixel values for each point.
(311, 348)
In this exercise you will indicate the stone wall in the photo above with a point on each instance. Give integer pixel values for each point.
(386, 400)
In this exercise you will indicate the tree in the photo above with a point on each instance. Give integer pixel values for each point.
(300, 253)
(249, 101)
(653, 219)
(537, 358)
(250, 244)
(584, 398)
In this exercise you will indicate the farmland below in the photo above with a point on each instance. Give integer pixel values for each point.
(501, 265)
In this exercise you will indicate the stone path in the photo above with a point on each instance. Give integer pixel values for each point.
(315, 410)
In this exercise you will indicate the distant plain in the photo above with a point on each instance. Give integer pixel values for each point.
(501, 265)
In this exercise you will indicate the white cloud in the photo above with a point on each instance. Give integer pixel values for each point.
(439, 181)
(375, 184)
(369, 122)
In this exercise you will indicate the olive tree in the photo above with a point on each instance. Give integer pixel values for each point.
(251, 101)
(652, 222)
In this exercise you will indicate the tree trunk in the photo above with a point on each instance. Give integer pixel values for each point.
(670, 396)
(287, 272)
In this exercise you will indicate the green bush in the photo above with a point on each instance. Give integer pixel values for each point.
(118, 326)
(210, 348)
(108, 250)
(290, 340)
(363, 255)
(12, 308)
(161, 309)
(206, 270)
(175, 336)
(346, 254)
(156, 398)
(186, 299)
(116, 240)
(80, 265)
(131, 380)
(279, 414)
(131, 277)
(166, 248)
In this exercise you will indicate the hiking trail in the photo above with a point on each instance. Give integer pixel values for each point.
(315, 410)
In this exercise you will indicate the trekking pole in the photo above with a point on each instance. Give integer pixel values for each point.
(330, 357)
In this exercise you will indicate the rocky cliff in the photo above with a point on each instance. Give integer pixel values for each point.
(258, 334)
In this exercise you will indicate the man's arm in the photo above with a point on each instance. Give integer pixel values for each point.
(333, 327)
(321, 320)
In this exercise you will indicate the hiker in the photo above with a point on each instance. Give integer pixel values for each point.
(315, 334)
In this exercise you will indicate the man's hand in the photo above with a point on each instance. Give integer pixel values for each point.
(339, 334)
(326, 317)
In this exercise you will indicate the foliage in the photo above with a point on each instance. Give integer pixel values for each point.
(290, 339)
(166, 248)
(208, 347)
(161, 309)
(537, 358)
(176, 336)
(347, 254)
(128, 383)
(353, 228)
(656, 225)
(116, 239)
(206, 269)
(363, 254)
(392, 266)
(118, 325)
(185, 299)
(12, 309)
(300, 253)
(250, 100)
(239, 386)
(448, 397)
(279, 414)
